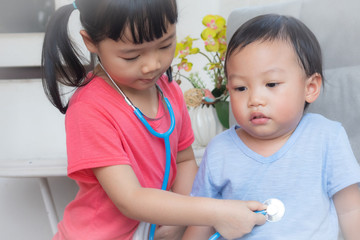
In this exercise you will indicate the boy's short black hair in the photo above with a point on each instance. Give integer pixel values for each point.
(271, 27)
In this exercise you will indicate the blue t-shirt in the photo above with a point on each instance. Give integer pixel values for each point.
(314, 164)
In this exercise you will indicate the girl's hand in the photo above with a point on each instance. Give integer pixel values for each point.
(231, 218)
(169, 232)
(231, 225)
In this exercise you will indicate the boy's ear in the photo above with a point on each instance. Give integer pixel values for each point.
(313, 87)
(90, 45)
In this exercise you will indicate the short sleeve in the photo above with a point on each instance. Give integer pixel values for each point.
(203, 184)
(342, 168)
(91, 141)
(185, 132)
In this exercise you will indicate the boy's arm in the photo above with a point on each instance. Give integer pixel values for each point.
(198, 233)
(347, 203)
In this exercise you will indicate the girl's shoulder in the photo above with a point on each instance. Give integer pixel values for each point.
(93, 91)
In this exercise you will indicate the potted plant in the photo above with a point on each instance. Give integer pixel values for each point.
(200, 98)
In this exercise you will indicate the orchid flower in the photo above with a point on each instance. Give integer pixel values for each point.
(214, 39)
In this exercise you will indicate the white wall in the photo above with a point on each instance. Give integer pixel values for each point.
(31, 126)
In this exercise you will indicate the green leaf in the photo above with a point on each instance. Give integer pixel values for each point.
(222, 111)
(217, 92)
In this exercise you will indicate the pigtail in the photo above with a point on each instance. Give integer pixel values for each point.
(60, 61)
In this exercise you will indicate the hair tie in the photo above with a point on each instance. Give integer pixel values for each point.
(74, 4)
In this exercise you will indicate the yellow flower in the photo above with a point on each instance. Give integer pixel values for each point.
(214, 33)
(214, 65)
(185, 65)
(222, 41)
(214, 22)
(211, 44)
(184, 48)
(214, 39)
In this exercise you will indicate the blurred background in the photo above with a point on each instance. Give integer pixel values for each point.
(30, 127)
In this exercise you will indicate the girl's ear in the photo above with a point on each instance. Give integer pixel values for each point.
(90, 45)
(313, 87)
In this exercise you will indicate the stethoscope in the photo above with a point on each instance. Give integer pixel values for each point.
(165, 135)
(275, 208)
(274, 212)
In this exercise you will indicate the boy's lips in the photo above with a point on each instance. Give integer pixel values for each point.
(258, 118)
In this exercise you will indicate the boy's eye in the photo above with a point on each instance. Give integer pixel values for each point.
(271, 85)
(240, 89)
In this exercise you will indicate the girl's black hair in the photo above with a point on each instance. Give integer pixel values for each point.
(270, 27)
(62, 63)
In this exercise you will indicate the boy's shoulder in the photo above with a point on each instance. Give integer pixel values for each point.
(319, 121)
(317, 125)
(223, 140)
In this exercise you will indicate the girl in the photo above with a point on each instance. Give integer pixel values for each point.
(117, 163)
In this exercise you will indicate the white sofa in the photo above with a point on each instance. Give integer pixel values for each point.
(336, 25)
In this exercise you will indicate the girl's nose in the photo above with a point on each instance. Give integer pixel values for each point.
(151, 64)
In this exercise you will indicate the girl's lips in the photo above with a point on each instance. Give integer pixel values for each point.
(147, 80)
(258, 119)
(150, 79)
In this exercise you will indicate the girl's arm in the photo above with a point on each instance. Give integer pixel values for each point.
(186, 171)
(231, 218)
(198, 232)
(347, 203)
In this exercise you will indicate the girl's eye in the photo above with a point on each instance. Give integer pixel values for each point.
(131, 59)
(271, 85)
(240, 89)
(166, 47)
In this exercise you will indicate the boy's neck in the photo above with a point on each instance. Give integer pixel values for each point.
(263, 147)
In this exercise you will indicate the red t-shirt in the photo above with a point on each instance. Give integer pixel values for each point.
(102, 130)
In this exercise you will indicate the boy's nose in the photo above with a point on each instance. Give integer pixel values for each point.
(256, 98)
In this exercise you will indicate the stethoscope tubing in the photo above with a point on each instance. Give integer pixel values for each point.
(166, 137)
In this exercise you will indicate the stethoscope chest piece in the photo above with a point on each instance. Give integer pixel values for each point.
(275, 210)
